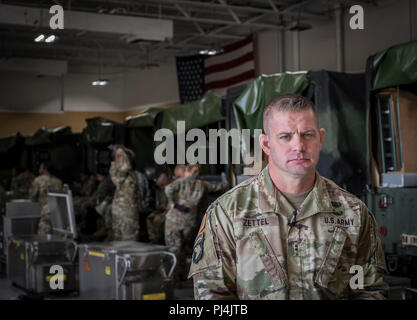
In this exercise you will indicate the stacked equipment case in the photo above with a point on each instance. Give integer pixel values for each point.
(45, 264)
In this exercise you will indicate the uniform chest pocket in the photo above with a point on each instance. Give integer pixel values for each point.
(326, 276)
(274, 265)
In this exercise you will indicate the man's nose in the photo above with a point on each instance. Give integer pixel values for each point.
(298, 144)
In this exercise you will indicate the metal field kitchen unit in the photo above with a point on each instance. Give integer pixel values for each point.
(32, 256)
(125, 270)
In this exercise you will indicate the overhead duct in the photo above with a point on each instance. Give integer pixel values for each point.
(134, 27)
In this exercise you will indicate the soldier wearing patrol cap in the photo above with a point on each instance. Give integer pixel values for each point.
(288, 233)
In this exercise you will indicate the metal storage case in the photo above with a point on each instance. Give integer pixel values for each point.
(31, 256)
(125, 270)
(21, 218)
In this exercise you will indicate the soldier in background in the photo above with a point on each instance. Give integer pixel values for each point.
(144, 190)
(185, 196)
(81, 192)
(86, 186)
(45, 182)
(96, 209)
(156, 220)
(21, 184)
(179, 171)
(126, 202)
(288, 233)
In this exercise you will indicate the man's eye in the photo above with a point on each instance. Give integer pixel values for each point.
(284, 137)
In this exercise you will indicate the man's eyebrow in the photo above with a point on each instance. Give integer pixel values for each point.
(309, 130)
(284, 132)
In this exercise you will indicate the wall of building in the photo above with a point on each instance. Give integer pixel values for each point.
(28, 102)
(390, 23)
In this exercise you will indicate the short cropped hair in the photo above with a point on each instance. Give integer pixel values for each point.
(194, 169)
(287, 103)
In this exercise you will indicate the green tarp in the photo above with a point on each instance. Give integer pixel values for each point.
(140, 140)
(46, 136)
(195, 114)
(6, 144)
(99, 131)
(395, 66)
(340, 100)
(140, 131)
(145, 119)
(249, 107)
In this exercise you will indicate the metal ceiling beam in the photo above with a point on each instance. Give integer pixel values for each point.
(234, 8)
(213, 5)
(187, 15)
(230, 10)
(207, 20)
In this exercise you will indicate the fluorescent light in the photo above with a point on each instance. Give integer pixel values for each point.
(100, 82)
(210, 52)
(51, 38)
(39, 38)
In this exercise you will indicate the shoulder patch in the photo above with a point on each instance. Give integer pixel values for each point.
(204, 251)
(203, 224)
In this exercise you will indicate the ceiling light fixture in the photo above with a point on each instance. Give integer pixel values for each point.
(40, 38)
(100, 82)
(209, 52)
(50, 39)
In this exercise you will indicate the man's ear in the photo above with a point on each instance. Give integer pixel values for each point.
(322, 131)
(264, 142)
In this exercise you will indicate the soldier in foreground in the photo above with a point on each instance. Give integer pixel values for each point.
(288, 233)
(39, 193)
(126, 200)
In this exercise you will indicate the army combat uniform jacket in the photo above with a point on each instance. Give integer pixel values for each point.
(246, 249)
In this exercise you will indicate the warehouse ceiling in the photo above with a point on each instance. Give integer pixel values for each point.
(196, 26)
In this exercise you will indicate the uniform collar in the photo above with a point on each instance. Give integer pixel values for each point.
(270, 199)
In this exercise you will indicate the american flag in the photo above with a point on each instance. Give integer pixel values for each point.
(198, 73)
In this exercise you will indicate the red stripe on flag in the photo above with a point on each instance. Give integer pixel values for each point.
(231, 81)
(234, 46)
(229, 64)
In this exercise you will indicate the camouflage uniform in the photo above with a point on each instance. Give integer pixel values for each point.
(39, 193)
(88, 187)
(155, 222)
(144, 190)
(104, 192)
(126, 200)
(20, 186)
(180, 226)
(245, 248)
(81, 202)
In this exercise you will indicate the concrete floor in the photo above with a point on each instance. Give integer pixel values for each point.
(9, 292)
(397, 290)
